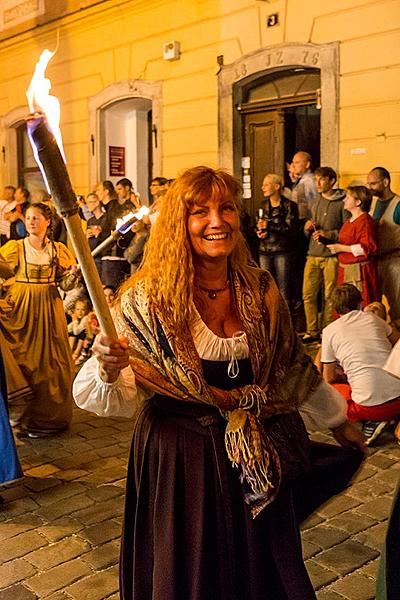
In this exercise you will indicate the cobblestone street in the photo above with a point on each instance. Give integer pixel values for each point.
(60, 529)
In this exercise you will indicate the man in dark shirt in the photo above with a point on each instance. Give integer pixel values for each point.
(114, 266)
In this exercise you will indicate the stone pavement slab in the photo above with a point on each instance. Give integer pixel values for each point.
(60, 527)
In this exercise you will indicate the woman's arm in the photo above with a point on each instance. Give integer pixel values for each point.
(364, 241)
(326, 408)
(329, 372)
(336, 248)
(106, 384)
(113, 356)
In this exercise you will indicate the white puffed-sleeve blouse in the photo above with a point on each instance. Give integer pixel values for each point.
(325, 407)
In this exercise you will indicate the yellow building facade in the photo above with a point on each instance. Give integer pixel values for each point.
(148, 88)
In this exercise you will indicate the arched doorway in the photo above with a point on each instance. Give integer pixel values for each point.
(125, 142)
(274, 102)
(125, 125)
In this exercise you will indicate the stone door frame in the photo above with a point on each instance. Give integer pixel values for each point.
(8, 139)
(270, 60)
(124, 90)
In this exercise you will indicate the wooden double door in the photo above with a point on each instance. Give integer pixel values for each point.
(272, 136)
(264, 144)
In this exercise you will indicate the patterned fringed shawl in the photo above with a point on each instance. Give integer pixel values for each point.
(283, 373)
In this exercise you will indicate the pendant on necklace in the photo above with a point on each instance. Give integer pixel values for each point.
(212, 294)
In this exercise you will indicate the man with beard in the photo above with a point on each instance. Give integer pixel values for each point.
(385, 211)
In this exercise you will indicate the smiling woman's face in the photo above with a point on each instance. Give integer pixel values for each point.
(213, 228)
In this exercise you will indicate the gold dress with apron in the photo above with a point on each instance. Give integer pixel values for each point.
(33, 322)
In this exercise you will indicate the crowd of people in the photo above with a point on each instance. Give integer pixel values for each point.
(208, 363)
(312, 235)
(352, 237)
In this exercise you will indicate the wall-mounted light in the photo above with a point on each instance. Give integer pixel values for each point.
(172, 50)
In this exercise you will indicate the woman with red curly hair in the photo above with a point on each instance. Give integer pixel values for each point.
(210, 365)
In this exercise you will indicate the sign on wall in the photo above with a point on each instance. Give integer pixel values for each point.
(116, 155)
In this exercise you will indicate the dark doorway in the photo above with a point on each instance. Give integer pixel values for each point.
(276, 115)
(302, 132)
(264, 142)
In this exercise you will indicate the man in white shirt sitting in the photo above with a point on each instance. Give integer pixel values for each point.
(361, 343)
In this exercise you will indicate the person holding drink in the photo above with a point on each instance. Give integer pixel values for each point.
(277, 230)
(320, 271)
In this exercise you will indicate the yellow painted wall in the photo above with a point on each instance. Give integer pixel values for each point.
(119, 40)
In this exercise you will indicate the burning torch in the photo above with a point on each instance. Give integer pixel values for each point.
(124, 225)
(45, 137)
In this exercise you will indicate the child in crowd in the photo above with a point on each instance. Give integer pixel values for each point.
(92, 329)
(78, 293)
(77, 328)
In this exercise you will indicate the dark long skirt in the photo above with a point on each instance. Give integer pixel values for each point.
(188, 533)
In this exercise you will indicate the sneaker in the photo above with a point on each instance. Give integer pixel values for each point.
(310, 339)
(372, 430)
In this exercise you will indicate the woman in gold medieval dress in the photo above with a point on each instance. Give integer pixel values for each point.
(33, 322)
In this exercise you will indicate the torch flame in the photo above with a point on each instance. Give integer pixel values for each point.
(137, 215)
(40, 100)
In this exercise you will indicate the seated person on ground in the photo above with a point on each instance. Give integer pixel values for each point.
(361, 343)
